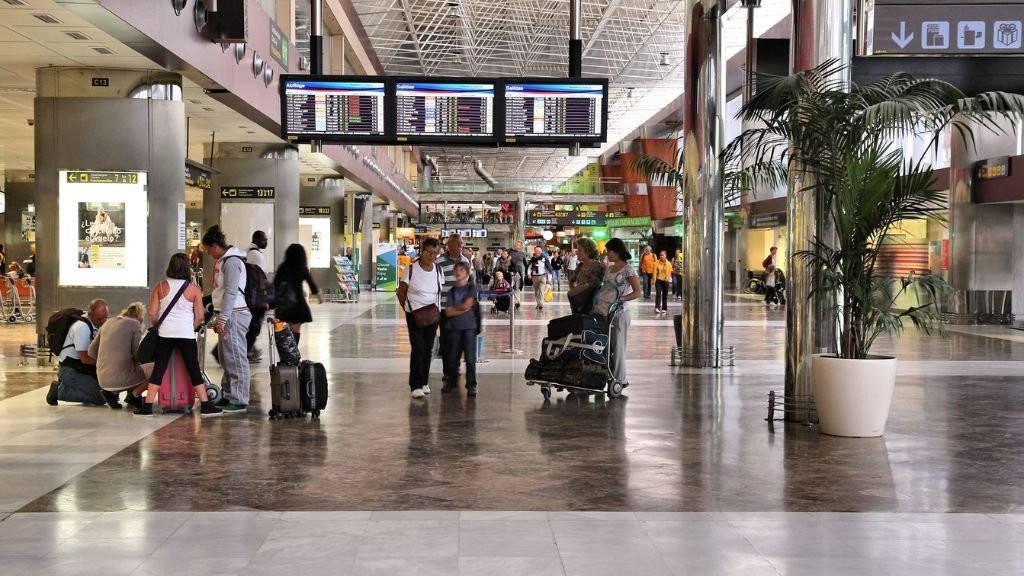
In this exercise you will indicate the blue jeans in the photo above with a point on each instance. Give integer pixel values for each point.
(648, 280)
(460, 342)
(556, 279)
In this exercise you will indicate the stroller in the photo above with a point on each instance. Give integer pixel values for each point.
(502, 304)
(579, 355)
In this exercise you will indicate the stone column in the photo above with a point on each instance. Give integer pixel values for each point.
(242, 166)
(134, 121)
(822, 30)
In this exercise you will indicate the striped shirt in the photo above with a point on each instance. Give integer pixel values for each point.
(447, 266)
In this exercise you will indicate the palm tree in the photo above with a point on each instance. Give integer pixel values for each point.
(843, 145)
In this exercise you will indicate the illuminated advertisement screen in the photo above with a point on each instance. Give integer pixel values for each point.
(332, 108)
(102, 228)
(555, 111)
(438, 110)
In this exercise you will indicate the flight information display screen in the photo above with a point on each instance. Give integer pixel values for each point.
(455, 110)
(549, 111)
(326, 109)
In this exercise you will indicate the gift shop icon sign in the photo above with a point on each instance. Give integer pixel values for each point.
(935, 35)
(1006, 34)
(970, 35)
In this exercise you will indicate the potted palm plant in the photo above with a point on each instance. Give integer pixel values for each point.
(844, 145)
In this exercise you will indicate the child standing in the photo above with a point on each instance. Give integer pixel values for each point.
(462, 319)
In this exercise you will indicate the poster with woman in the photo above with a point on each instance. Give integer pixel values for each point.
(101, 235)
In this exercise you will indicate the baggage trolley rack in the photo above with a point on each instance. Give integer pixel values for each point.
(18, 299)
(613, 387)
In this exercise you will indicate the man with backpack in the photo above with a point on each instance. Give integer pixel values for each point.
(68, 335)
(233, 318)
(255, 257)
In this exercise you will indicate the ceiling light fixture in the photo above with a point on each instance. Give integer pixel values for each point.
(664, 59)
(453, 10)
(629, 92)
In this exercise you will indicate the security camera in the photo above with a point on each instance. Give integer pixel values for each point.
(31, 122)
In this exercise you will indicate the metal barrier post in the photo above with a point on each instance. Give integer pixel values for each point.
(512, 320)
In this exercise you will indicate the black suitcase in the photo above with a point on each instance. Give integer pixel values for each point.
(573, 324)
(313, 390)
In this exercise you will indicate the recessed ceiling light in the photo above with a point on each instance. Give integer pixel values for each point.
(209, 109)
(102, 50)
(76, 35)
(47, 18)
(17, 2)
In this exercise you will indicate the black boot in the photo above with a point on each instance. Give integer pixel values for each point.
(51, 396)
(111, 398)
(145, 410)
(132, 400)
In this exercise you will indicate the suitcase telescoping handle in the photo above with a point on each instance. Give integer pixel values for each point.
(273, 344)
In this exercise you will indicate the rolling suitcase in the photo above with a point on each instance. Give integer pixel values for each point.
(313, 388)
(285, 397)
(176, 394)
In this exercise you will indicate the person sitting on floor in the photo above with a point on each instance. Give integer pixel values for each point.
(114, 349)
(76, 379)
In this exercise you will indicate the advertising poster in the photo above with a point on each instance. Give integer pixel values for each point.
(102, 228)
(28, 226)
(101, 235)
(315, 235)
(387, 267)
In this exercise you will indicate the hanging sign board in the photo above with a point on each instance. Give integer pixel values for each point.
(771, 220)
(314, 210)
(993, 168)
(235, 193)
(565, 218)
(929, 27)
(278, 45)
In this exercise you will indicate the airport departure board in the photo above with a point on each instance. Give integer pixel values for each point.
(432, 110)
(537, 111)
(328, 109)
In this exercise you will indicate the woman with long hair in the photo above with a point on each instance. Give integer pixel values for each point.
(621, 284)
(177, 305)
(290, 302)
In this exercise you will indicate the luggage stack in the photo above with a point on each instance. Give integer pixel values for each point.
(297, 387)
(574, 353)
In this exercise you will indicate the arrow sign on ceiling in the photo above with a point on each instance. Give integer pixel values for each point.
(903, 39)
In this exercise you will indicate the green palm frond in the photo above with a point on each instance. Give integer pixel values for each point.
(839, 142)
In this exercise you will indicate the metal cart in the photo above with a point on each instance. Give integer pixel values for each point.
(613, 387)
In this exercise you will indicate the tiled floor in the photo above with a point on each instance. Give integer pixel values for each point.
(682, 476)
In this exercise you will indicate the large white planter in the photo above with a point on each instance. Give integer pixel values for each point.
(853, 396)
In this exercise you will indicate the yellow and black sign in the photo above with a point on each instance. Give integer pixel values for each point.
(234, 193)
(314, 210)
(103, 177)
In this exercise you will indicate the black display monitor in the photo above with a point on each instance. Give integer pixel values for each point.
(439, 110)
(333, 108)
(545, 111)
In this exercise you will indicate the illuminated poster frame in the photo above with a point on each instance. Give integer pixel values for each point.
(318, 242)
(102, 228)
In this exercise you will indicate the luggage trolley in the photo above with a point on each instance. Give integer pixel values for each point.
(19, 300)
(556, 371)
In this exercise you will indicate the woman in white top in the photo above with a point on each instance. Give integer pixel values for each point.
(177, 331)
(421, 289)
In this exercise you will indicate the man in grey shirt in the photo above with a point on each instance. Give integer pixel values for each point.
(517, 263)
(233, 318)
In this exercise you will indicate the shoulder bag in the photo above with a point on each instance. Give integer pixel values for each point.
(151, 339)
(430, 314)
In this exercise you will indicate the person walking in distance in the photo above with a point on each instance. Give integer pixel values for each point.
(647, 263)
(571, 264)
(677, 275)
(770, 259)
(176, 304)
(417, 293)
(662, 277)
(289, 278)
(255, 256)
(517, 264)
(540, 270)
(233, 318)
(557, 264)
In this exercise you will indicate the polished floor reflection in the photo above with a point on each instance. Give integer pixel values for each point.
(693, 443)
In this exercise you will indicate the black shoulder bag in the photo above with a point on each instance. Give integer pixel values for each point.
(151, 339)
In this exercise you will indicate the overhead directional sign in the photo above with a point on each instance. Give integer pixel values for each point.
(966, 28)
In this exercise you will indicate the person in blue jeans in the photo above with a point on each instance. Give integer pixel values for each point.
(461, 324)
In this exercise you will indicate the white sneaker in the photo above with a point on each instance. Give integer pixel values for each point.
(426, 389)
(418, 393)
